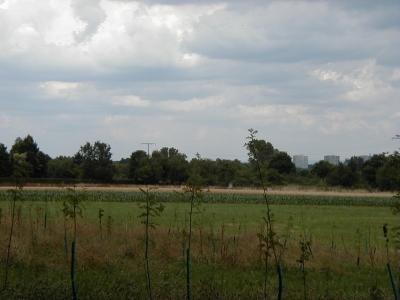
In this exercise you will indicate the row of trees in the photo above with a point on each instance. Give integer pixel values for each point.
(169, 166)
(377, 172)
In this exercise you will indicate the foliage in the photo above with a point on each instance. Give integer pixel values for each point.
(20, 172)
(370, 168)
(150, 210)
(322, 169)
(343, 175)
(73, 205)
(388, 176)
(95, 161)
(36, 158)
(5, 162)
(269, 242)
(282, 162)
(275, 178)
(62, 167)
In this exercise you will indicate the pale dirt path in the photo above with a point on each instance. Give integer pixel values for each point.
(273, 191)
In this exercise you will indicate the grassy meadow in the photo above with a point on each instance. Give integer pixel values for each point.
(347, 249)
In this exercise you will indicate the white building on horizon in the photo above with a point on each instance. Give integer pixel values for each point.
(300, 161)
(333, 159)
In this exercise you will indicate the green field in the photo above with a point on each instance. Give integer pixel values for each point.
(227, 262)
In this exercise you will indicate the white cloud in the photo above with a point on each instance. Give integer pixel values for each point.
(59, 89)
(193, 104)
(130, 100)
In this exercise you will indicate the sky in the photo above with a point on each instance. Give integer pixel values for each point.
(312, 77)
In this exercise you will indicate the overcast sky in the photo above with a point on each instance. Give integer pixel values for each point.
(313, 77)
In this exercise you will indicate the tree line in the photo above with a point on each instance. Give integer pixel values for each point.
(168, 166)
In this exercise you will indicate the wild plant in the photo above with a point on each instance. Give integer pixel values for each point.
(358, 244)
(45, 213)
(385, 234)
(101, 214)
(304, 256)
(20, 173)
(151, 209)
(289, 228)
(110, 222)
(34, 224)
(306, 252)
(194, 190)
(270, 240)
(72, 208)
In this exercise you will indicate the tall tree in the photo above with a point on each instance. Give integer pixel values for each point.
(388, 176)
(263, 150)
(139, 167)
(36, 158)
(282, 162)
(343, 175)
(96, 161)
(322, 169)
(62, 167)
(370, 168)
(5, 162)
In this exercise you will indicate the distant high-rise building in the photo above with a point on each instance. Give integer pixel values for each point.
(333, 159)
(300, 161)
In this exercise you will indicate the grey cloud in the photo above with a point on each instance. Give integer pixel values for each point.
(271, 35)
(90, 12)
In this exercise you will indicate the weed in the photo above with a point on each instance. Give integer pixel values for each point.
(150, 209)
(270, 240)
(194, 190)
(101, 214)
(73, 207)
(20, 173)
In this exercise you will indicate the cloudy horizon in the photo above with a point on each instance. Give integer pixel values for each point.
(313, 77)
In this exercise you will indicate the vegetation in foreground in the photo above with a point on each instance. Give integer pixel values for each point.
(347, 255)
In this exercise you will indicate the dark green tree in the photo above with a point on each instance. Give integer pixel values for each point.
(36, 158)
(177, 168)
(264, 151)
(275, 178)
(208, 170)
(62, 167)
(322, 169)
(282, 162)
(226, 172)
(343, 175)
(388, 176)
(96, 163)
(121, 168)
(5, 162)
(370, 168)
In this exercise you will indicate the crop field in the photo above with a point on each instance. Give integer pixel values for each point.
(347, 252)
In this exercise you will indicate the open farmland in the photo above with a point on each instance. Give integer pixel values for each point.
(227, 262)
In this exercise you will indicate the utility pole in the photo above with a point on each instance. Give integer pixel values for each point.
(148, 147)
